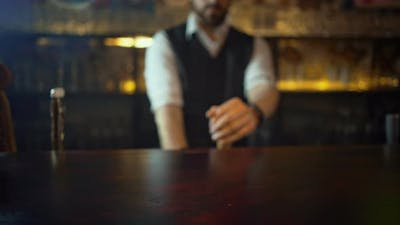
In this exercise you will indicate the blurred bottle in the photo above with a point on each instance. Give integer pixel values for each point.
(57, 118)
(392, 129)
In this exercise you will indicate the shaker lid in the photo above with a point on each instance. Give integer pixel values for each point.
(57, 92)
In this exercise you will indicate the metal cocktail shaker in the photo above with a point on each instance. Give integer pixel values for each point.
(57, 118)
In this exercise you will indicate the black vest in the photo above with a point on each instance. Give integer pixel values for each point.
(208, 81)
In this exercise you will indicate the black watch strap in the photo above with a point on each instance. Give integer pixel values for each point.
(259, 113)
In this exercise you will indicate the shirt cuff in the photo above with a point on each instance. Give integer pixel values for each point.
(155, 104)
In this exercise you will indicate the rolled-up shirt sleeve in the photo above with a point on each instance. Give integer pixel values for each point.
(161, 74)
(260, 70)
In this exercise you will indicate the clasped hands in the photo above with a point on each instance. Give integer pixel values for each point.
(231, 121)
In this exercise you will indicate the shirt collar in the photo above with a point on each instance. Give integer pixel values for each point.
(192, 26)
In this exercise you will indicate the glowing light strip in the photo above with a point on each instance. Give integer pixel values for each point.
(129, 42)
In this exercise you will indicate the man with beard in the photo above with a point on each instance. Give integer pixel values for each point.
(208, 82)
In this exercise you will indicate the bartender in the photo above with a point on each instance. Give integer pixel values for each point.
(207, 82)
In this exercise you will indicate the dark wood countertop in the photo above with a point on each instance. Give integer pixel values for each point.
(277, 185)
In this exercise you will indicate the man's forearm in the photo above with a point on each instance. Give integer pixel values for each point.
(170, 126)
(266, 99)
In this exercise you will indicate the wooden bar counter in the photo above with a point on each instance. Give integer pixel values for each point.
(271, 185)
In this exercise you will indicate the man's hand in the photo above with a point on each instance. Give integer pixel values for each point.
(231, 121)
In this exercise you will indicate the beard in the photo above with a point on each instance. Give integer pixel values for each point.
(211, 15)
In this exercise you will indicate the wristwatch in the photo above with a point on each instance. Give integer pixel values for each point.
(258, 113)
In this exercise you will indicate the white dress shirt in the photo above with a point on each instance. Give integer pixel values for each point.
(161, 73)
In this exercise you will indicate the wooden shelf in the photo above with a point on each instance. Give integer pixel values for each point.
(260, 19)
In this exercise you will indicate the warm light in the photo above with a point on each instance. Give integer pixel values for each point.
(323, 85)
(388, 82)
(129, 42)
(363, 82)
(143, 41)
(396, 82)
(288, 85)
(127, 87)
(44, 41)
(316, 85)
(125, 42)
(362, 85)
